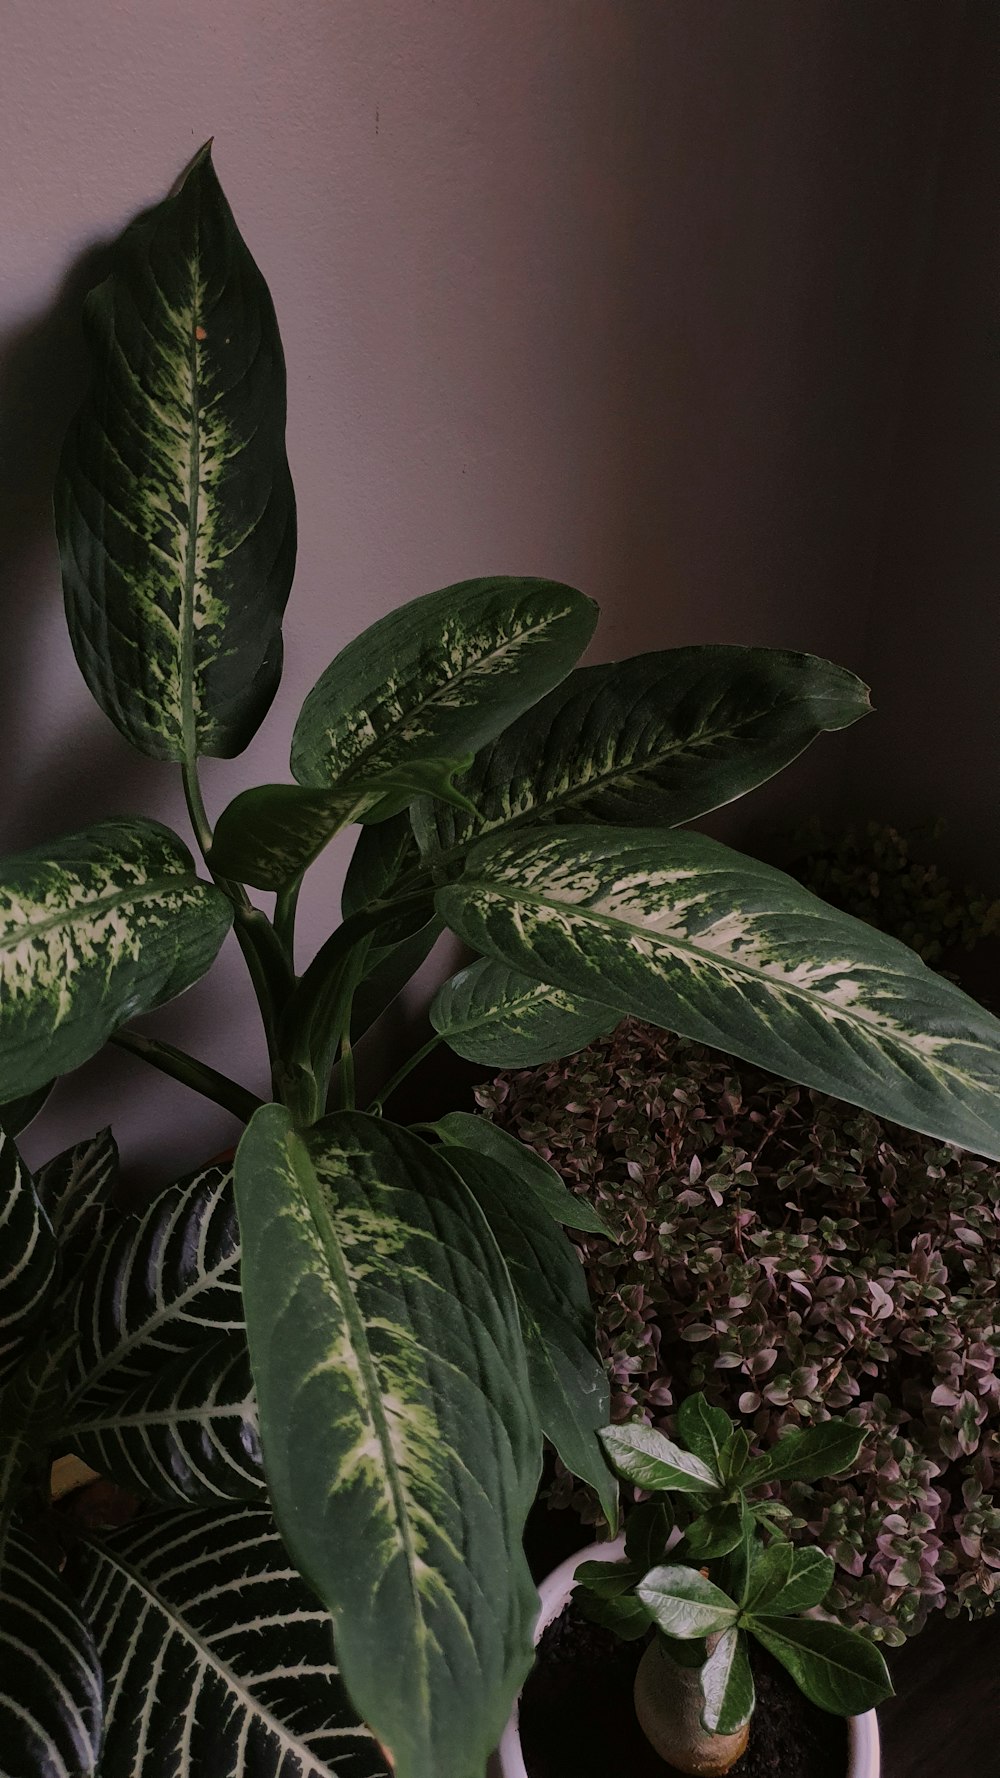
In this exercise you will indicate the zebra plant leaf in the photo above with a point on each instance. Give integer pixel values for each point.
(400, 1438)
(221, 1656)
(569, 1381)
(434, 681)
(75, 1191)
(648, 742)
(163, 1285)
(103, 925)
(51, 1686)
(185, 1435)
(28, 1257)
(528, 1176)
(490, 1013)
(722, 949)
(174, 504)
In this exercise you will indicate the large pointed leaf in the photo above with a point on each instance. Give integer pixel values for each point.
(489, 1013)
(434, 680)
(219, 1659)
(807, 1454)
(784, 1580)
(164, 1284)
(75, 1190)
(722, 949)
(100, 926)
(29, 1414)
(27, 1257)
(400, 1438)
(838, 1669)
(569, 1382)
(51, 1689)
(174, 505)
(651, 741)
(524, 1168)
(186, 1434)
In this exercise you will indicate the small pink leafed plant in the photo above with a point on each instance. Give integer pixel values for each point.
(794, 1258)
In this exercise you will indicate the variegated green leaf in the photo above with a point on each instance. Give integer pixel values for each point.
(164, 1284)
(100, 926)
(269, 835)
(489, 1013)
(75, 1190)
(399, 1433)
(174, 505)
(186, 1434)
(569, 1382)
(27, 1257)
(51, 1686)
(648, 742)
(433, 681)
(525, 1169)
(725, 950)
(220, 1660)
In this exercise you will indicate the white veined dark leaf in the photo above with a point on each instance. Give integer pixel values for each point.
(185, 1435)
(220, 1658)
(164, 1284)
(75, 1189)
(51, 1686)
(27, 1257)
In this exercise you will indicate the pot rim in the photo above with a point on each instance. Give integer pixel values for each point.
(864, 1757)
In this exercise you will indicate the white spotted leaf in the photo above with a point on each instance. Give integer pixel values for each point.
(174, 505)
(400, 1437)
(722, 949)
(489, 1013)
(651, 741)
(95, 928)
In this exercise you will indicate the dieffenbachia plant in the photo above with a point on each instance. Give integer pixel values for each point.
(327, 1376)
(716, 1572)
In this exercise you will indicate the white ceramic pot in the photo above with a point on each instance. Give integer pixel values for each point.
(864, 1760)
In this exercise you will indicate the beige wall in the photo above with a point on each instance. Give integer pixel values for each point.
(618, 291)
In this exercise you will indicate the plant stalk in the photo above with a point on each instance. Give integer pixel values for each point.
(190, 1072)
(401, 1073)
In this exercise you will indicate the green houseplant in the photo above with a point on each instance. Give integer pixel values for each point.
(352, 1348)
(733, 1578)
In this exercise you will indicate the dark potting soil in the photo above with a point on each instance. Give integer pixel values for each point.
(577, 1719)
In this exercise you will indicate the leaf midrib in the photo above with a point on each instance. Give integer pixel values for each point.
(690, 949)
(326, 1231)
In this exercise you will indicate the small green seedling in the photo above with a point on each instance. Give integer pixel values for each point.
(712, 1567)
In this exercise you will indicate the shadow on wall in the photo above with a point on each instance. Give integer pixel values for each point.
(81, 776)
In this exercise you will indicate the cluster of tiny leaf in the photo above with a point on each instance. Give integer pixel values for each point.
(794, 1258)
(882, 875)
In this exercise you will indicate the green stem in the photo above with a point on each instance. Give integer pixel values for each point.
(180, 1066)
(285, 906)
(401, 1073)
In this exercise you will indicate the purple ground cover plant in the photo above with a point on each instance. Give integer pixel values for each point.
(794, 1258)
